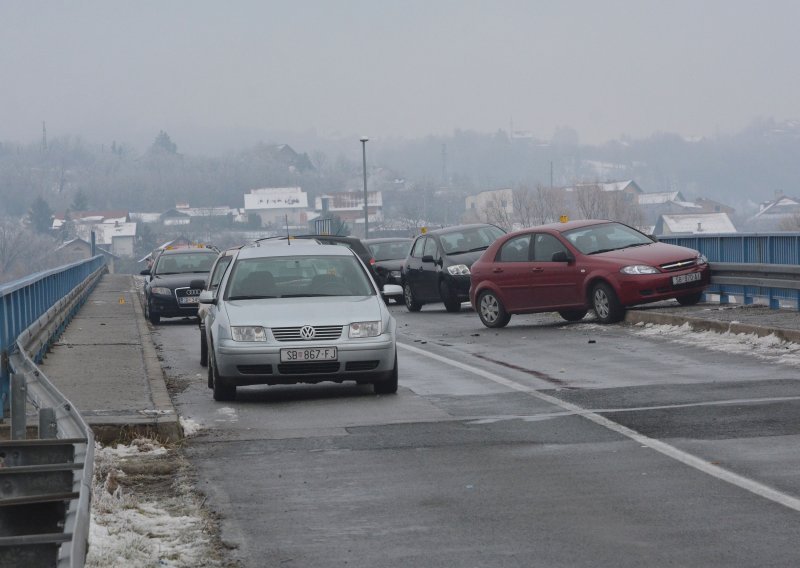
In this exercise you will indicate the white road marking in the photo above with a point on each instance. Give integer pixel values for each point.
(670, 451)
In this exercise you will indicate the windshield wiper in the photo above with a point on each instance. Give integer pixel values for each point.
(636, 245)
(250, 297)
(307, 295)
(601, 250)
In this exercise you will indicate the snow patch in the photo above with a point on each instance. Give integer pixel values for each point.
(190, 427)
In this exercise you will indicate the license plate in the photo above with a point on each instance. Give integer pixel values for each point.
(684, 278)
(308, 354)
(188, 300)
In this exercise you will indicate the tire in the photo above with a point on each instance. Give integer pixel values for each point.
(154, 318)
(606, 304)
(411, 302)
(222, 391)
(572, 315)
(388, 386)
(203, 349)
(689, 300)
(491, 310)
(451, 303)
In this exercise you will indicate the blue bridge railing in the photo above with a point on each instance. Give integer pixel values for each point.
(753, 254)
(24, 301)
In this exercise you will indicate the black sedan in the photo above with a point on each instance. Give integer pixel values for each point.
(389, 253)
(168, 292)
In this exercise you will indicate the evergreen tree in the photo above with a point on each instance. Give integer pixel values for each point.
(41, 216)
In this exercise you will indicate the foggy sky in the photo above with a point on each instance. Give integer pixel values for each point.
(221, 71)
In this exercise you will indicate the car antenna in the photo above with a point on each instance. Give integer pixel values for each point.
(288, 238)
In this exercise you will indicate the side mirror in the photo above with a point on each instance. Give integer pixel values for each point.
(561, 256)
(207, 297)
(145, 272)
(392, 290)
(427, 258)
(197, 284)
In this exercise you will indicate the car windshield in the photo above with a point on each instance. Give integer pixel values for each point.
(298, 277)
(390, 250)
(184, 263)
(606, 237)
(469, 240)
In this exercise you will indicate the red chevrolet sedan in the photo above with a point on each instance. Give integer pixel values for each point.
(576, 266)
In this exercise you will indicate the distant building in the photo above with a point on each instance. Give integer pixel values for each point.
(79, 249)
(774, 214)
(277, 206)
(349, 206)
(694, 224)
(112, 229)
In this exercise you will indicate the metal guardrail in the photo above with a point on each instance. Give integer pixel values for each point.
(750, 267)
(45, 483)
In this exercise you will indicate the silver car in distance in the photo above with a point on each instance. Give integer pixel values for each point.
(299, 313)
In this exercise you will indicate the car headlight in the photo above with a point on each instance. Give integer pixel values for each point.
(701, 260)
(365, 329)
(639, 269)
(248, 333)
(458, 270)
(161, 291)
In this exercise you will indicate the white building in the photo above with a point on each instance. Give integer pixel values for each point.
(694, 224)
(278, 205)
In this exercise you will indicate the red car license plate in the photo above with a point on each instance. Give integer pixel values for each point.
(686, 278)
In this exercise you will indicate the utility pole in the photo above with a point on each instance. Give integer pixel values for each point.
(551, 174)
(444, 166)
(44, 137)
(364, 141)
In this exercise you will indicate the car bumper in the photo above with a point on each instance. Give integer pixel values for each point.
(169, 308)
(646, 288)
(366, 361)
(459, 286)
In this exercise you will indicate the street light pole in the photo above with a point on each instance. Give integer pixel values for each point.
(364, 140)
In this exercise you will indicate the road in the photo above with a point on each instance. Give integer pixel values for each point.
(541, 444)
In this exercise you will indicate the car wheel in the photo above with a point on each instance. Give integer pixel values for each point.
(451, 303)
(222, 390)
(203, 349)
(491, 310)
(411, 302)
(572, 315)
(154, 318)
(387, 386)
(689, 300)
(606, 304)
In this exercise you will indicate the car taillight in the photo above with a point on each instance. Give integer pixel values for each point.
(372, 261)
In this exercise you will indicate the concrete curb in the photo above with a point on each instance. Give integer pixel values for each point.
(700, 324)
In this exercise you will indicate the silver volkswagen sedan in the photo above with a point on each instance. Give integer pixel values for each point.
(299, 313)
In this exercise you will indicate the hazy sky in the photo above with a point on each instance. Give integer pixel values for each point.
(109, 70)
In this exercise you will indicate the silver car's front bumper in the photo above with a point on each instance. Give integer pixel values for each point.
(251, 363)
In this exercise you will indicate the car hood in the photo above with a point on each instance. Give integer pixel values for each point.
(177, 280)
(287, 312)
(465, 257)
(394, 264)
(653, 254)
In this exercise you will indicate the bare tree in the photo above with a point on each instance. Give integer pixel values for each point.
(499, 211)
(544, 205)
(591, 202)
(23, 252)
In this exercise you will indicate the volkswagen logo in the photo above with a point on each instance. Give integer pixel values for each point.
(307, 332)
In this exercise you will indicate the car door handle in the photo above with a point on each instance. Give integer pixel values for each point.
(496, 270)
(537, 269)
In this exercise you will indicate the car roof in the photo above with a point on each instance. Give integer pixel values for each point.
(295, 249)
(453, 228)
(189, 251)
(561, 227)
(385, 240)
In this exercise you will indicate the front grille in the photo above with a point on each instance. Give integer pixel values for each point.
(321, 333)
(678, 265)
(254, 369)
(361, 365)
(308, 368)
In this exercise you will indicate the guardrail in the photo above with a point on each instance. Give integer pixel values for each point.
(750, 267)
(45, 482)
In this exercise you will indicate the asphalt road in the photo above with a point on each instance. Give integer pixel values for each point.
(541, 444)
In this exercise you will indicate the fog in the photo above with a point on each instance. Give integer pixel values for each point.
(219, 76)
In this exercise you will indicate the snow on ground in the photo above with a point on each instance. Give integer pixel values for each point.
(769, 348)
(142, 527)
(190, 427)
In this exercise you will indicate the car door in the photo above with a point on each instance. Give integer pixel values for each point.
(511, 273)
(412, 269)
(429, 274)
(553, 283)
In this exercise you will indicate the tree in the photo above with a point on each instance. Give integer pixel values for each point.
(163, 144)
(41, 216)
(80, 202)
(23, 252)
